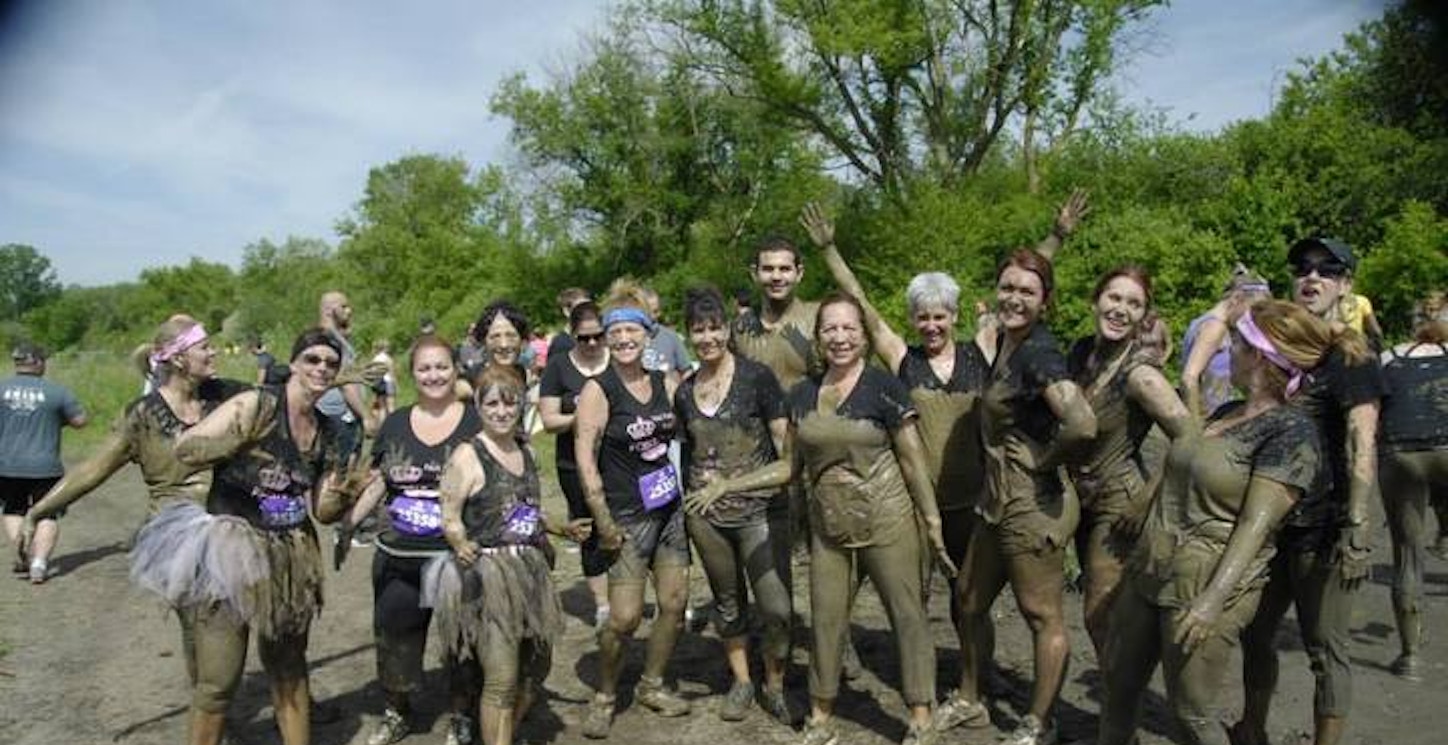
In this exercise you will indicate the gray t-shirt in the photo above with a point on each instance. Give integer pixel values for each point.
(666, 352)
(332, 403)
(32, 411)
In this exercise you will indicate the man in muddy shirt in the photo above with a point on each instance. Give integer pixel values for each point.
(778, 336)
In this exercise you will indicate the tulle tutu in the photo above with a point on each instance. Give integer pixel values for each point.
(506, 596)
(271, 580)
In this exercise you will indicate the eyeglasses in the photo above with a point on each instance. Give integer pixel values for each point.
(1325, 269)
(589, 338)
(317, 359)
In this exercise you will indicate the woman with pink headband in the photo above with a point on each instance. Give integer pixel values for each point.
(1196, 576)
(182, 361)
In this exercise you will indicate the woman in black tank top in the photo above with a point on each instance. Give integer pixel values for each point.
(624, 425)
(1413, 474)
(494, 597)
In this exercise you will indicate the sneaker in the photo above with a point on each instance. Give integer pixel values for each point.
(392, 728)
(599, 719)
(1407, 667)
(600, 617)
(662, 701)
(1030, 732)
(460, 730)
(737, 701)
(818, 733)
(919, 734)
(774, 703)
(39, 572)
(956, 710)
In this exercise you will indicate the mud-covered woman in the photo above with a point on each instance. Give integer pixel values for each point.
(872, 511)
(1034, 418)
(623, 428)
(494, 599)
(249, 559)
(734, 427)
(1119, 373)
(409, 454)
(1413, 471)
(1206, 347)
(1323, 550)
(563, 379)
(1198, 572)
(180, 358)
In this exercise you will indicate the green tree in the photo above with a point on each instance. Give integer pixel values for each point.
(1411, 260)
(27, 281)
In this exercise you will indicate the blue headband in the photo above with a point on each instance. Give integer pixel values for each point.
(627, 315)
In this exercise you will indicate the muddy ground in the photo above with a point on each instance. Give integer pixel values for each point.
(87, 659)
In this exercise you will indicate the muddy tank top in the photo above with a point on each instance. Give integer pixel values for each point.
(634, 457)
(1415, 412)
(949, 421)
(150, 428)
(734, 440)
(507, 511)
(1114, 457)
(269, 483)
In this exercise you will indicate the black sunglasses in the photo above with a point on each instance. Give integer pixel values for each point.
(317, 359)
(588, 338)
(1325, 269)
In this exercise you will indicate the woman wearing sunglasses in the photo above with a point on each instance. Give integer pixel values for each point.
(563, 380)
(1322, 551)
(249, 558)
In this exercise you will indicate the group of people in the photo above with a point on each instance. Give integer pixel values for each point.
(983, 459)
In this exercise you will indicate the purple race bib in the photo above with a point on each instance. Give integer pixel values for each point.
(659, 488)
(416, 512)
(282, 510)
(522, 524)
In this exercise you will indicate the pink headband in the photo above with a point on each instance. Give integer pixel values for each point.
(1259, 341)
(188, 339)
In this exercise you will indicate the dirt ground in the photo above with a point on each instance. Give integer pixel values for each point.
(88, 659)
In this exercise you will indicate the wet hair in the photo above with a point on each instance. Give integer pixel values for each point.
(1133, 272)
(704, 304)
(1431, 332)
(503, 308)
(1304, 339)
(570, 296)
(584, 311)
(314, 337)
(506, 378)
(430, 341)
(776, 243)
(1032, 261)
(932, 288)
(170, 330)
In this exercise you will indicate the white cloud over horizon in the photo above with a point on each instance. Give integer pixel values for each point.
(139, 133)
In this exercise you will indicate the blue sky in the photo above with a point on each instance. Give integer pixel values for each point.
(140, 133)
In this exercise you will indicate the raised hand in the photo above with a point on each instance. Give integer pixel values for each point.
(820, 227)
(1073, 210)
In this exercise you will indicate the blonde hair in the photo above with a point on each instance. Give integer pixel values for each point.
(166, 333)
(627, 292)
(1304, 339)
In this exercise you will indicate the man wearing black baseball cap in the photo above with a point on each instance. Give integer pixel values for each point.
(32, 412)
(1322, 549)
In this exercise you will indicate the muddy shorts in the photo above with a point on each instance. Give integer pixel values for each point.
(655, 540)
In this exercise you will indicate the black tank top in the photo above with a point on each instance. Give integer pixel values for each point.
(967, 376)
(634, 457)
(268, 483)
(1415, 412)
(506, 511)
(412, 470)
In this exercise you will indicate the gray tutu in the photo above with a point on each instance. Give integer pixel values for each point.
(506, 596)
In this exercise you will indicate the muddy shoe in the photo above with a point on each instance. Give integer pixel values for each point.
(599, 719)
(773, 701)
(1031, 732)
(736, 703)
(392, 728)
(39, 572)
(819, 733)
(919, 734)
(1408, 667)
(460, 730)
(956, 711)
(654, 696)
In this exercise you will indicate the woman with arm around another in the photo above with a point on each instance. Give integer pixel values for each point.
(1198, 571)
(622, 430)
(563, 378)
(494, 597)
(733, 421)
(862, 461)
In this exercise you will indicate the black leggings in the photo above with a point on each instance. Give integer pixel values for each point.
(594, 562)
(399, 626)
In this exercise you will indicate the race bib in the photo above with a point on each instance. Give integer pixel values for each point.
(523, 524)
(282, 510)
(416, 512)
(659, 488)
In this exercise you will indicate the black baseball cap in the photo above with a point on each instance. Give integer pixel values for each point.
(1334, 247)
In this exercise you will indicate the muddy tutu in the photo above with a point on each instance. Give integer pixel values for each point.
(503, 598)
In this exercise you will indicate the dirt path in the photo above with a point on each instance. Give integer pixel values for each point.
(86, 659)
